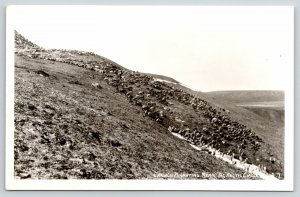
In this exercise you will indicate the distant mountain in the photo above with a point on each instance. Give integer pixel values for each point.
(79, 115)
(248, 96)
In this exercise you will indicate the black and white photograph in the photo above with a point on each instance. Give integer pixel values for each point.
(150, 98)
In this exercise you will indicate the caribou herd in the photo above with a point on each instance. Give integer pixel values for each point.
(157, 100)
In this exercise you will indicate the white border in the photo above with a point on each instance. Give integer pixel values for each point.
(246, 185)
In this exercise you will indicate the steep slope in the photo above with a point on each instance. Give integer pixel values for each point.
(68, 128)
(79, 115)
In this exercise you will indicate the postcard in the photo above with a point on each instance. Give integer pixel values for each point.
(150, 98)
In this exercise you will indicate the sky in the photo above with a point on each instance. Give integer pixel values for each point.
(204, 48)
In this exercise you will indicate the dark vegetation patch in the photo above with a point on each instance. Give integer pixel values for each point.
(42, 73)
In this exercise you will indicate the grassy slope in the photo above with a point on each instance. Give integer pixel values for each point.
(66, 128)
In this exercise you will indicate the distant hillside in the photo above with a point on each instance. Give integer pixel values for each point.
(248, 96)
(275, 115)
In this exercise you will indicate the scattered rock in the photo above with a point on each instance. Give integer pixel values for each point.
(124, 126)
(115, 143)
(62, 141)
(24, 148)
(103, 113)
(75, 82)
(31, 107)
(36, 123)
(48, 106)
(97, 85)
(59, 176)
(48, 122)
(78, 121)
(49, 112)
(96, 135)
(42, 73)
(25, 176)
(20, 122)
(63, 126)
(71, 147)
(92, 157)
(64, 167)
(45, 140)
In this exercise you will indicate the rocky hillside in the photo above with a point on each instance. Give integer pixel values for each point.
(81, 116)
